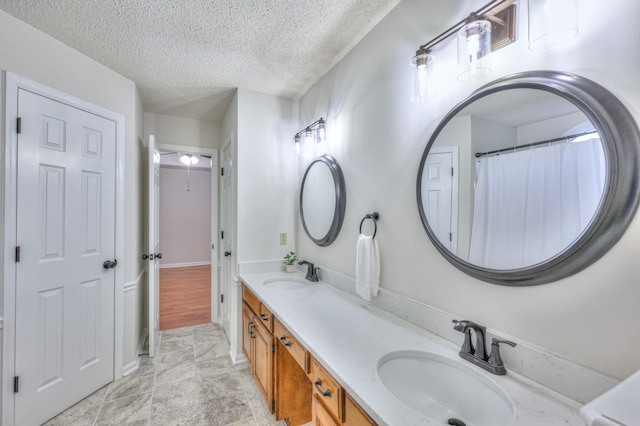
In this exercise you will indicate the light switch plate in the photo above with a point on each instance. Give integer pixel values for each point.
(283, 238)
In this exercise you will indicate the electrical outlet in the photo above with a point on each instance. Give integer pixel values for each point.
(283, 238)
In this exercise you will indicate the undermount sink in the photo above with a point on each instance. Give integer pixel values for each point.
(285, 283)
(444, 389)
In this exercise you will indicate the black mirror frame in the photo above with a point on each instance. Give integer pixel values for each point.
(341, 201)
(621, 143)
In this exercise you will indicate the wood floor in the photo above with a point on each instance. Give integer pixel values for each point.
(185, 296)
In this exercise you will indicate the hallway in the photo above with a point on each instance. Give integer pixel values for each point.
(191, 381)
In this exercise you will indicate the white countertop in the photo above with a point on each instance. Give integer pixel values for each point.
(348, 337)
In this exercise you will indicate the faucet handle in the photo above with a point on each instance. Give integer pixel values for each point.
(495, 359)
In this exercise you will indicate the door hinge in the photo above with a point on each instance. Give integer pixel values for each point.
(16, 384)
(222, 235)
(17, 254)
(452, 171)
(221, 171)
(273, 404)
(273, 348)
(450, 236)
(19, 125)
(222, 298)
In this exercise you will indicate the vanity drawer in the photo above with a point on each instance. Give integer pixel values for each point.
(297, 351)
(327, 390)
(258, 308)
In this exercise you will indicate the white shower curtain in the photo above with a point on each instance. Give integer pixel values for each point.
(531, 204)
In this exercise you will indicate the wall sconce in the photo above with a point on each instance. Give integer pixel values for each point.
(486, 30)
(551, 22)
(314, 134)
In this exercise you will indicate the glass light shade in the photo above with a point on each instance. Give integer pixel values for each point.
(474, 48)
(322, 131)
(298, 145)
(552, 22)
(308, 142)
(188, 160)
(421, 89)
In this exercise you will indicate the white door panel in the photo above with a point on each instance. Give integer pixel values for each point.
(437, 192)
(153, 231)
(66, 230)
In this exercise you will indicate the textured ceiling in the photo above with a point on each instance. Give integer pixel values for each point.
(188, 56)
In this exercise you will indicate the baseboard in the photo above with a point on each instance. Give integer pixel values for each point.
(184, 265)
(134, 365)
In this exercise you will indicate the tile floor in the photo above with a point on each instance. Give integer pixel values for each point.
(190, 381)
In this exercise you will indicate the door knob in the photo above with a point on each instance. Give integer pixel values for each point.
(145, 256)
(227, 253)
(110, 264)
(158, 255)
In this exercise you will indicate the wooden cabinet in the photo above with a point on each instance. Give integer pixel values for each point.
(256, 305)
(290, 343)
(327, 390)
(320, 415)
(295, 386)
(258, 346)
(354, 415)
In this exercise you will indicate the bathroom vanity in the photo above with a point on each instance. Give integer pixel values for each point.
(319, 353)
(295, 386)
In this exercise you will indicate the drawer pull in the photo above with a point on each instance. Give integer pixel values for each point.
(264, 317)
(283, 339)
(325, 393)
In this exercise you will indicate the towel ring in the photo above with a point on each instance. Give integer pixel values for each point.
(373, 216)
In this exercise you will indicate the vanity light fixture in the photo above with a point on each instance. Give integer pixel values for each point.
(552, 22)
(315, 132)
(486, 30)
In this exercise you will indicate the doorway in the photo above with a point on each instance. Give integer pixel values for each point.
(188, 231)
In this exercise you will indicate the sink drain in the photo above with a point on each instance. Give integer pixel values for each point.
(456, 422)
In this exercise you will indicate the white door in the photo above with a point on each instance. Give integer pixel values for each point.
(66, 232)
(437, 195)
(153, 231)
(226, 212)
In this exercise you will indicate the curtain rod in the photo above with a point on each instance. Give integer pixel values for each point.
(529, 145)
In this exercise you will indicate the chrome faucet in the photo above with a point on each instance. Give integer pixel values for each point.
(478, 355)
(312, 271)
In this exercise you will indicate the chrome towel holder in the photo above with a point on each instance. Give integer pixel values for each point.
(373, 216)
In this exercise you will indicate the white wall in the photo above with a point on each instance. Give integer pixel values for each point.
(266, 169)
(39, 57)
(170, 130)
(378, 137)
(185, 216)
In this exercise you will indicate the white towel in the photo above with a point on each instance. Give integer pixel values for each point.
(367, 267)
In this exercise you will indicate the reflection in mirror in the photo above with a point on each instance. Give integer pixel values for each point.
(531, 174)
(530, 179)
(322, 200)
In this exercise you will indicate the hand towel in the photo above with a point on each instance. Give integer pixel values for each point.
(367, 267)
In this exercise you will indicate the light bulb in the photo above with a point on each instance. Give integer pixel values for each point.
(188, 160)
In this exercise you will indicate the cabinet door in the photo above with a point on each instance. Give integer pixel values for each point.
(263, 361)
(247, 332)
(354, 415)
(320, 416)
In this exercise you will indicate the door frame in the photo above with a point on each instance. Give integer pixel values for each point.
(215, 174)
(13, 83)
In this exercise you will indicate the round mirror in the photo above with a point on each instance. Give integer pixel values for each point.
(322, 200)
(530, 179)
